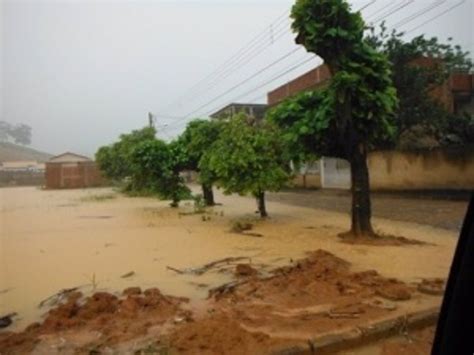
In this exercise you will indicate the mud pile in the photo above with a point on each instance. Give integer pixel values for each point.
(251, 315)
(314, 295)
(115, 319)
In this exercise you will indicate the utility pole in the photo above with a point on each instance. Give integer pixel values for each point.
(150, 120)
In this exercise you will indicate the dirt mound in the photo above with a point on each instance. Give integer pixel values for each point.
(220, 334)
(313, 295)
(115, 319)
(251, 315)
(320, 277)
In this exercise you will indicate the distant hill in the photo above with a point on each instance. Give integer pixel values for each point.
(13, 152)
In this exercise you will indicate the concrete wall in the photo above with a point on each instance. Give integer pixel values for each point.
(308, 181)
(435, 169)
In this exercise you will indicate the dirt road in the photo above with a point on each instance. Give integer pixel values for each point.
(436, 212)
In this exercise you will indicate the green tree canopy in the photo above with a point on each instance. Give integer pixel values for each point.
(114, 159)
(157, 165)
(196, 140)
(420, 66)
(355, 110)
(248, 158)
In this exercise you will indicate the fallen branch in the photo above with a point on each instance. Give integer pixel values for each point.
(54, 299)
(175, 270)
(201, 270)
(128, 274)
(251, 234)
(225, 288)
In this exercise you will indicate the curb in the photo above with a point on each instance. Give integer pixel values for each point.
(374, 330)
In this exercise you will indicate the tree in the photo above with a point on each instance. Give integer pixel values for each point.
(114, 160)
(158, 164)
(248, 158)
(196, 140)
(21, 133)
(356, 109)
(419, 67)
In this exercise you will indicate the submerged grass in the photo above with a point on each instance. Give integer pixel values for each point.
(99, 197)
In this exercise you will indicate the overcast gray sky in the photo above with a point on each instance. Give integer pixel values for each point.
(82, 72)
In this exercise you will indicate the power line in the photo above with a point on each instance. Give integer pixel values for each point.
(241, 63)
(423, 11)
(393, 9)
(256, 40)
(246, 80)
(366, 6)
(279, 75)
(387, 14)
(251, 53)
(269, 81)
(437, 16)
(376, 12)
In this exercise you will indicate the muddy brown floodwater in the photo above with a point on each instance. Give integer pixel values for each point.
(101, 241)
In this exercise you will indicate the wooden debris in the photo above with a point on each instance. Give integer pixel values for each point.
(175, 270)
(128, 274)
(251, 234)
(225, 288)
(54, 299)
(201, 270)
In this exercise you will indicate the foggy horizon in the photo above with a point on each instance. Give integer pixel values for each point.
(82, 72)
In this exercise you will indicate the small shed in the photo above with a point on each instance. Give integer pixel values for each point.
(70, 170)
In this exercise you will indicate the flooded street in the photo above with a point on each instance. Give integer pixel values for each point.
(98, 240)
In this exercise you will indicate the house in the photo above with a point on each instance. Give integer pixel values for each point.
(252, 110)
(70, 170)
(440, 168)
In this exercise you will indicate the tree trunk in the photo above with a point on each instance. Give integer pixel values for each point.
(208, 195)
(261, 204)
(361, 209)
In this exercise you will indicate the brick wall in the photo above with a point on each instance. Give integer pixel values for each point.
(72, 175)
(310, 80)
(317, 77)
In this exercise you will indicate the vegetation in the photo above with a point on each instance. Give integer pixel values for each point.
(358, 111)
(355, 111)
(20, 133)
(419, 67)
(114, 159)
(99, 197)
(248, 158)
(147, 165)
(157, 165)
(196, 140)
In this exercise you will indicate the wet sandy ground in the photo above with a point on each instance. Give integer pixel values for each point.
(51, 240)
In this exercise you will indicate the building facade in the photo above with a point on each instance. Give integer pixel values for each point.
(69, 170)
(395, 170)
(256, 111)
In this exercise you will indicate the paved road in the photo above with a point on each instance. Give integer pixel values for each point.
(437, 212)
